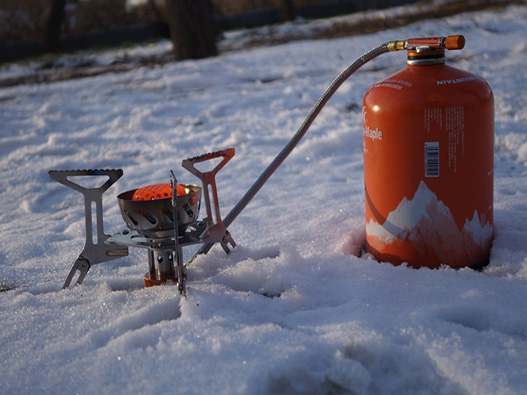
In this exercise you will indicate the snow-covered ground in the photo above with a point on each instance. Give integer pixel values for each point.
(291, 310)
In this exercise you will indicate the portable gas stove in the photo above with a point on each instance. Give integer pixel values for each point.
(150, 214)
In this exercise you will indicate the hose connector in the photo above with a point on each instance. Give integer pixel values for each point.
(396, 45)
(449, 42)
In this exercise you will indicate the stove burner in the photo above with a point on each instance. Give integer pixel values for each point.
(154, 218)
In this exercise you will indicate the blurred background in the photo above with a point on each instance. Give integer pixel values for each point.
(26, 19)
(30, 27)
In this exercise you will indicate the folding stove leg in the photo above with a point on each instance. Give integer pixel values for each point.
(95, 250)
(216, 231)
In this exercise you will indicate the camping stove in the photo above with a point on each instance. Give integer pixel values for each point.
(161, 222)
(163, 226)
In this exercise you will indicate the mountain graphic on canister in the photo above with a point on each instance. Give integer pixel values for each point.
(427, 224)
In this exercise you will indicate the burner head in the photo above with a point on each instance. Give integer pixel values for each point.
(157, 191)
(153, 219)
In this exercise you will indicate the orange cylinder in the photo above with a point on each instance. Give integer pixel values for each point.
(428, 140)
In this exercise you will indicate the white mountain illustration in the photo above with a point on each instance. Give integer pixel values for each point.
(428, 224)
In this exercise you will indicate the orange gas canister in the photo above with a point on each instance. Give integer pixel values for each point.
(428, 140)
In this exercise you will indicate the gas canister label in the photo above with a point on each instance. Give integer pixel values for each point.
(432, 159)
(456, 80)
(447, 125)
(373, 134)
(455, 127)
(393, 83)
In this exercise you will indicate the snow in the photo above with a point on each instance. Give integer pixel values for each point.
(291, 310)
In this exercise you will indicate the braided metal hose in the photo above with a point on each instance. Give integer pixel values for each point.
(319, 105)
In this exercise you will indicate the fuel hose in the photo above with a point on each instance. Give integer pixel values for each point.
(315, 110)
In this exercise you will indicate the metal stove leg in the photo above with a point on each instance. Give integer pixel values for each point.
(227, 239)
(95, 250)
(81, 266)
(216, 231)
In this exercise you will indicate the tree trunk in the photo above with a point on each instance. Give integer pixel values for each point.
(289, 9)
(50, 41)
(192, 28)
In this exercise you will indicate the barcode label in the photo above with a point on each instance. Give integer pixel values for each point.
(432, 159)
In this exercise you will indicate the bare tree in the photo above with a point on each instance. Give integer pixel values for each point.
(157, 12)
(50, 41)
(289, 9)
(192, 28)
